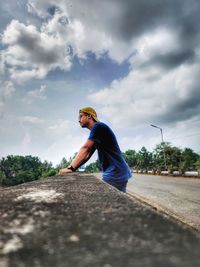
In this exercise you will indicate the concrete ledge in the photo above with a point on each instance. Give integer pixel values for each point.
(78, 220)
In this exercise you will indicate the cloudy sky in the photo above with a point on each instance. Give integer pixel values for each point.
(136, 62)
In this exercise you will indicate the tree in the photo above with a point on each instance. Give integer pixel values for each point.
(93, 167)
(189, 159)
(47, 169)
(2, 175)
(63, 164)
(197, 164)
(50, 172)
(130, 157)
(158, 155)
(19, 169)
(144, 159)
(173, 157)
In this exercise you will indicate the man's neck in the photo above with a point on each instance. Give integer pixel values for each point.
(91, 124)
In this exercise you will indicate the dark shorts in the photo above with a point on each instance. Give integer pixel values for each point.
(119, 185)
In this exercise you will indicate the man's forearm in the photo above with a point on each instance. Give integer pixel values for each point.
(83, 155)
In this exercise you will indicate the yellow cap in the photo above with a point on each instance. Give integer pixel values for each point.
(89, 111)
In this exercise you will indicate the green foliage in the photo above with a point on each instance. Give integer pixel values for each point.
(63, 164)
(158, 155)
(20, 169)
(173, 156)
(198, 163)
(131, 157)
(144, 159)
(176, 159)
(189, 159)
(49, 173)
(93, 167)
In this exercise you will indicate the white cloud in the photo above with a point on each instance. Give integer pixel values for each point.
(32, 120)
(74, 23)
(185, 133)
(77, 34)
(40, 93)
(162, 86)
(77, 27)
(6, 91)
(150, 93)
(31, 53)
(35, 95)
(63, 146)
(26, 141)
(40, 8)
(61, 127)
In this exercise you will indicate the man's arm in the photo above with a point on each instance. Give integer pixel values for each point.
(83, 156)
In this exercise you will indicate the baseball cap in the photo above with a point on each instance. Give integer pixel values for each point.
(89, 111)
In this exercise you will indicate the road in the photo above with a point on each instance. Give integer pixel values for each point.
(177, 196)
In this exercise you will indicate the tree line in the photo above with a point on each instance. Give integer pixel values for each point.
(20, 169)
(176, 159)
(15, 169)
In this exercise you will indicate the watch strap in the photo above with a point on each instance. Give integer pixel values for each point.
(70, 167)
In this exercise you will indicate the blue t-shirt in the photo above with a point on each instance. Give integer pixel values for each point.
(112, 162)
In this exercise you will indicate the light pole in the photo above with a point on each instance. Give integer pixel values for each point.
(161, 131)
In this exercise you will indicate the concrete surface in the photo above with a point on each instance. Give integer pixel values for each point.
(77, 220)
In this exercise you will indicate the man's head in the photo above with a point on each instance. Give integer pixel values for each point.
(87, 117)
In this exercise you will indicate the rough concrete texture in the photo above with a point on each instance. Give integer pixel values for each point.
(78, 220)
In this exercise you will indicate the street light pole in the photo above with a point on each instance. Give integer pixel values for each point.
(161, 131)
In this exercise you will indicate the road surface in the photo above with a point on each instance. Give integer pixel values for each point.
(177, 196)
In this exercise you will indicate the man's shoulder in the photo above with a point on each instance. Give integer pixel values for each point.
(100, 125)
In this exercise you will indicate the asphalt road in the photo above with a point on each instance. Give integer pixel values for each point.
(176, 196)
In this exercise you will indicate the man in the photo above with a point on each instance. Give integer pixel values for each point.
(115, 169)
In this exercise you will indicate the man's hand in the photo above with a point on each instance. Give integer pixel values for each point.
(83, 155)
(64, 171)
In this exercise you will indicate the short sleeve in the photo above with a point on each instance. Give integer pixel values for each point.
(95, 134)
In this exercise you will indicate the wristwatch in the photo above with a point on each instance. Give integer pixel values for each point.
(70, 167)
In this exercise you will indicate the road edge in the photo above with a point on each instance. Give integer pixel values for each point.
(162, 210)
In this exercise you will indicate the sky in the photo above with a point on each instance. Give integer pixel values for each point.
(135, 62)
